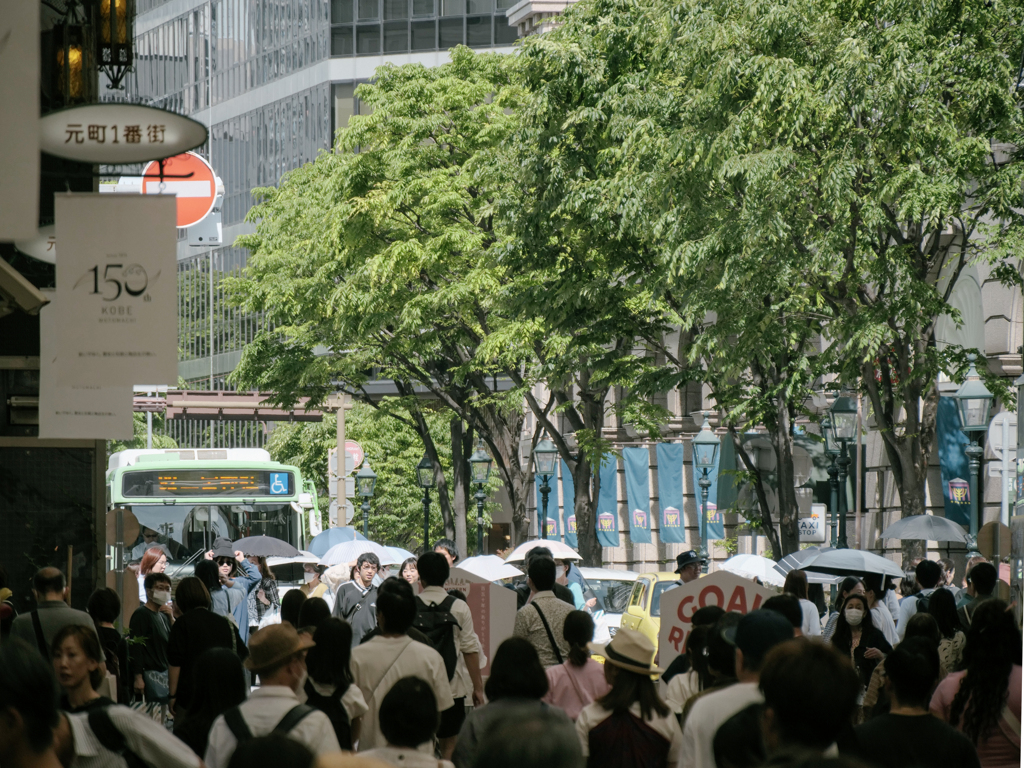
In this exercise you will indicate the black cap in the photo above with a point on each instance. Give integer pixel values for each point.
(223, 548)
(757, 633)
(686, 558)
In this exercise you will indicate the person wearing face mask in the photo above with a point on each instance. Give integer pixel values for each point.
(147, 661)
(857, 638)
(313, 586)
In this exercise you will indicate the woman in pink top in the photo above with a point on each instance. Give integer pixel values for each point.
(983, 701)
(578, 681)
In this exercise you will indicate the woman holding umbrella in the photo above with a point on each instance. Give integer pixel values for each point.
(857, 638)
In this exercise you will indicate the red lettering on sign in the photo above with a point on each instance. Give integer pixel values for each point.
(712, 590)
(675, 637)
(757, 603)
(685, 617)
(738, 601)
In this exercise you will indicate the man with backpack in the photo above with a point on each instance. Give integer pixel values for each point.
(278, 655)
(928, 574)
(448, 624)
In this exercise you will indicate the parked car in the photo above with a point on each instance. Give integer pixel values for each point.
(613, 589)
(644, 610)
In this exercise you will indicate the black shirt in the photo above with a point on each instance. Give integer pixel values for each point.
(358, 609)
(192, 634)
(912, 741)
(97, 703)
(154, 628)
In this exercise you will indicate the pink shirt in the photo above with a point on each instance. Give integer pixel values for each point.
(1001, 747)
(573, 688)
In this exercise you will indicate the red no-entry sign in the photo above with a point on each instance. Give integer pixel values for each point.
(196, 193)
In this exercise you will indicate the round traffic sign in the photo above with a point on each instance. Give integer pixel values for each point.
(196, 193)
(355, 450)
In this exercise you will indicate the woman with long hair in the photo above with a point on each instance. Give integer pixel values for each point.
(407, 571)
(264, 597)
(983, 701)
(852, 585)
(154, 561)
(942, 607)
(857, 638)
(629, 725)
(219, 685)
(517, 681)
(579, 680)
(330, 687)
(78, 665)
(796, 585)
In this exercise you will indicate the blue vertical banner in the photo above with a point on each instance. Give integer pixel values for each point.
(716, 523)
(553, 526)
(638, 493)
(608, 504)
(569, 507)
(670, 492)
(953, 462)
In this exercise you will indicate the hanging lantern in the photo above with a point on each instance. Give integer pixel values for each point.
(114, 38)
(73, 63)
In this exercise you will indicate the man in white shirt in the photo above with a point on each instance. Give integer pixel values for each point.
(928, 574)
(756, 634)
(442, 616)
(278, 655)
(382, 661)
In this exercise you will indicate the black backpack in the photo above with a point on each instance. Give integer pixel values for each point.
(240, 729)
(438, 624)
(109, 736)
(923, 601)
(335, 711)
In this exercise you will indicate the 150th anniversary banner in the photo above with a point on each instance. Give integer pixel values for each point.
(116, 310)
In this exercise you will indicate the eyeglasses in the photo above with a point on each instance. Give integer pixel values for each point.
(225, 561)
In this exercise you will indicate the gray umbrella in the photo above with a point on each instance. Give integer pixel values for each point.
(798, 558)
(926, 527)
(265, 546)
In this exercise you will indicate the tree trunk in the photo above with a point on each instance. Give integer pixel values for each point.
(585, 507)
(789, 527)
(767, 524)
(460, 483)
(503, 433)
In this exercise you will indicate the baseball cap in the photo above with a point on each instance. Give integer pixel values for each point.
(757, 633)
(686, 558)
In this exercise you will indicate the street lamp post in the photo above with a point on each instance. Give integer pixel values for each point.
(366, 479)
(832, 451)
(480, 466)
(544, 456)
(843, 424)
(425, 480)
(975, 402)
(705, 450)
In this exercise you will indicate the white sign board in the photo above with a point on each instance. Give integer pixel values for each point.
(721, 588)
(77, 412)
(493, 607)
(19, 119)
(813, 528)
(117, 314)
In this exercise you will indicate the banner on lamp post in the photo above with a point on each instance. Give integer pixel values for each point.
(636, 461)
(716, 523)
(670, 492)
(116, 299)
(608, 503)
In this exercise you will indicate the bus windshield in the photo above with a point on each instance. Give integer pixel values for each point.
(185, 530)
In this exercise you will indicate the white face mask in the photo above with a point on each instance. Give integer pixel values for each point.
(161, 598)
(854, 616)
(308, 577)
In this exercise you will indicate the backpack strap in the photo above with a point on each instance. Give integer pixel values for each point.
(547, 628)
(292, 718)
(105, 731)
(237, 725)
(40, 639)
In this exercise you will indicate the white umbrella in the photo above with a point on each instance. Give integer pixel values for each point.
(926, 527)
(396, 555)
(489, 567)
(302, 557)
(846, 562)
(349, 552)
(558, 549)
(751, 566)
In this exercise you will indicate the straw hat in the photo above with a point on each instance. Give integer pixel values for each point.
(274, 644)
(629, 650)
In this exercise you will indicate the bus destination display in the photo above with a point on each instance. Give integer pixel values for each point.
(175, 483)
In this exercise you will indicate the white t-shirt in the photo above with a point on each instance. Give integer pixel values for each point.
(882, 620)
(352, 700)
(908, 608)
(380, 663)
(148, 739)
(407, 758)
(811, 626)
(707, 715)
(680, 688)
(594, 714)
(466, 640)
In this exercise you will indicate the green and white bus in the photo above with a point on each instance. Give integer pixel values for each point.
(181, 500)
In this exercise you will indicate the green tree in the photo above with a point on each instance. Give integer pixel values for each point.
(138, 441)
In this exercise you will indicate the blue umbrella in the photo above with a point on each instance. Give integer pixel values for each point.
(324, 541)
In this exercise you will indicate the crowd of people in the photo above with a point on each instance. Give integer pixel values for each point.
(365, 668)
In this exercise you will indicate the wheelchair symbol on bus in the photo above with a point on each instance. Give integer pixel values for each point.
(278, 483)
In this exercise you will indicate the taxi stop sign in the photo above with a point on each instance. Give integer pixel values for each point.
(721, 588)
(196, 193)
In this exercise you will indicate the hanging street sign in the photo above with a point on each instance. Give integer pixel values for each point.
(117, 134)
(196, 193)
(43, 246)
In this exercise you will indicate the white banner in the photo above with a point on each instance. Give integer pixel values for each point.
(117, 318)
(19, 119)
(76, 412)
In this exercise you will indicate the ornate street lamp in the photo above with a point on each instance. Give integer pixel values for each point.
(832, 450)
(975, 402)
(73, 56)
(705, 451)
(480, 469)
(114, 39)
(425, 480)
(544, 456)
(366, 479)
(843, 425)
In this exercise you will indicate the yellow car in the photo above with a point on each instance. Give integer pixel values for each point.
(644, 610)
